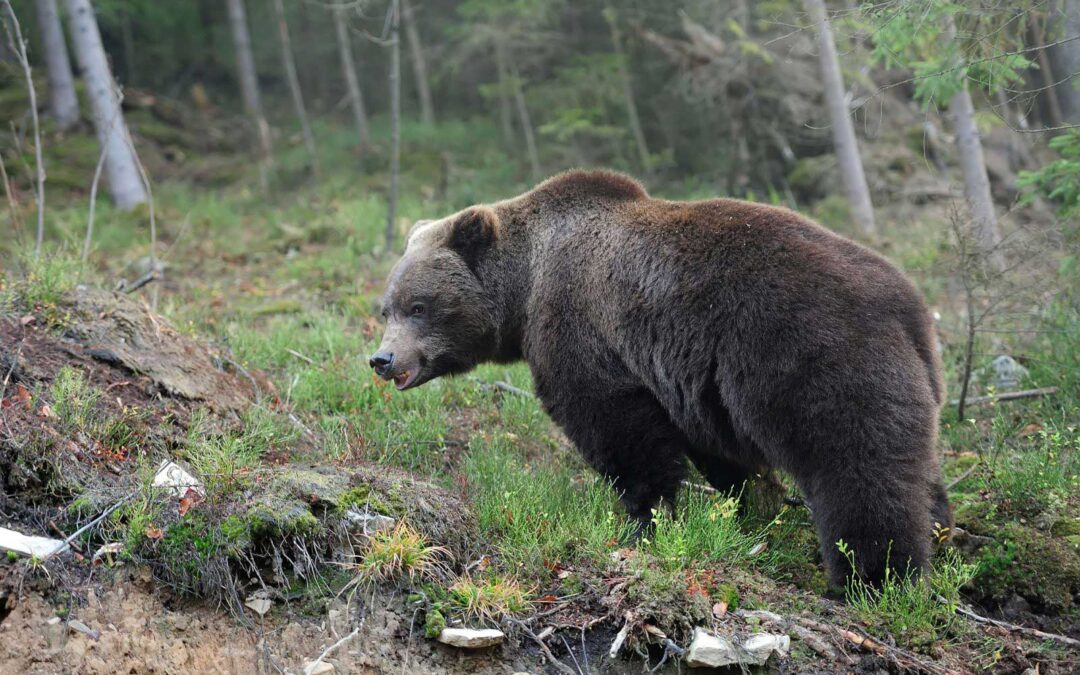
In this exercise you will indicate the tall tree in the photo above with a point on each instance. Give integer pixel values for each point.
(18, 45)
(973, 165)
(395, 122)
(628, 89)
(419, 64)
(522, 108)
(63, 103)
(294, 85)
(847, 148)
(1065, 17)
(246, 73)
(121, 166)
(506, 114)
(348, 68)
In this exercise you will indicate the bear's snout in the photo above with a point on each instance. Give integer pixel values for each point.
(381, 362)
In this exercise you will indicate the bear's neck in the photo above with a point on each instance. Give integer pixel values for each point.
(506, 273)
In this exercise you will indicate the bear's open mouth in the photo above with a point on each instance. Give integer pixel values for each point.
(405, 378)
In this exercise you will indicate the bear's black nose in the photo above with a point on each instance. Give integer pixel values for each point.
(380, 361)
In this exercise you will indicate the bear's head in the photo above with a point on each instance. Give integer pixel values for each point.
(439, 318)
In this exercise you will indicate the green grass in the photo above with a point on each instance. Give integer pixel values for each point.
(705, 528)
(540, 515)
(911, 609)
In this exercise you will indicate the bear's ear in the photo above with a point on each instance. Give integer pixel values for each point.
(472, 233)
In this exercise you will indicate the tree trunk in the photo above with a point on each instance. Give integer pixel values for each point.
(976, 182)
(18, 44)
(1049, 94)
(628, 90)
(352, 85)
(63, 104)
(245, 70)
(128, 38)
(395, 123)
(1066, 58)
(984, 222)
(294, 86)
(847, 148)
(416, 53)
(523, 117)
(121, 167)
(506, 113)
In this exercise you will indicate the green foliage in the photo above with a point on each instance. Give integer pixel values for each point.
(912, 609)
(540, 515)
(915, 34)
(1058, 181)
(705, 528)
(73, 398)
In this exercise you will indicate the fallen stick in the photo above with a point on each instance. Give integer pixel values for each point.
(959, 479)
(84, 528)
(326, 652)
(1008, 396)
(559, 665)
(512, 389)
(152, 275)
(902, 658)
(1012, 627)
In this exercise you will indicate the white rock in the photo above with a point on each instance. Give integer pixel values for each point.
(318, 668)
(471, 638)
(709, 651)
(365, 522)
(259, 602)
(28, 545)
(174, 477)
(760, 646)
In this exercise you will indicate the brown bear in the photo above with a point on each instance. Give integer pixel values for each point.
(741, 336)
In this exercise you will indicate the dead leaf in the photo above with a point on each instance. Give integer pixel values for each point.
(185, 505)
(154, 532)
(654, 631)
(1031, 429)
(28, 319)
(46, 412)
(548, 598)
(22, 395)
(720, 609)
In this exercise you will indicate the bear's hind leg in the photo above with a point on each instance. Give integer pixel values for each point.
(630, 439)
(882, 520)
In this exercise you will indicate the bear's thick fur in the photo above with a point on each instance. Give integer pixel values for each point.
(738, 335)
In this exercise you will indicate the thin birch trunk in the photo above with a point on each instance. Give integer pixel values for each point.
(506, 113)
(121, 167)
(419, 64)
(395, 123)
(248, 77)
(976, 181)
(294, 86)
(973, 166)
(628, 90)
(63, 103)
(523, 117)
(352, 85)
(1066, 58)
(14, 34)
(847, 148)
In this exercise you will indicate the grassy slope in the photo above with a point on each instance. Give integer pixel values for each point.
(289, 282)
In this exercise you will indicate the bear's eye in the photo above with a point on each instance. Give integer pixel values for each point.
(417, 309)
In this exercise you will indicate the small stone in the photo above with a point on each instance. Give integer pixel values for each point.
(709, 651)
(760, 646)
(259, 602)
(471, 638)
(1008, 373)
(174, 477)
(318, 668)
(366, 523)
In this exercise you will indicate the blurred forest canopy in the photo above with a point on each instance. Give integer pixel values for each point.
(728, 93)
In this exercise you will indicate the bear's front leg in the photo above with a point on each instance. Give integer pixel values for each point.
(627, 437)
